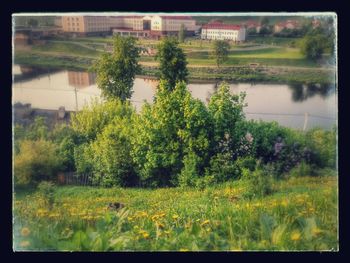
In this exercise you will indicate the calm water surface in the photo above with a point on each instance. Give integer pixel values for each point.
(286, 104)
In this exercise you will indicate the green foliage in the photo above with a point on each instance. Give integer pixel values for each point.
(323, 145)
(66, 139)
(172, 62)
(83, 158)
(36, 161)
(116, 71)
(313, 46)
(38, 129)
(223, 168)
(258, 183)
(103, 149)
(265, 136)
(111, 154)
(174, 126)
(92, 119)
(221, 51)
(46, 190)
(302, 169)
(226, 110)
(189, 173)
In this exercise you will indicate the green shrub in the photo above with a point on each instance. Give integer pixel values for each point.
(258, 183)
(111, 158)
(223, 168)
(302, 169)
(189, 173)
(36, 161)
(175, 126)
(324, 147)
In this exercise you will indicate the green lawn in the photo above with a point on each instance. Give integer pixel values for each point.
(300, 214)
(270, 40)
(66, 48)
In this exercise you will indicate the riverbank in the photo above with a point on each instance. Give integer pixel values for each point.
(242, 73)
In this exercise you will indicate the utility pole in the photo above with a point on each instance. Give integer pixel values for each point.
(76, 99)
(306, 117)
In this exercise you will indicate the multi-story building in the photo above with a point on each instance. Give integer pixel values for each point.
(129, 25)
(171, 25)
(83, 25)
(220, 31)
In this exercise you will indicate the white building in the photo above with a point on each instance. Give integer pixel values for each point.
(220, 31)
(169, 25)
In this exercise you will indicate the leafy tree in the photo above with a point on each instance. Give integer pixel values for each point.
(221, 51)
(111, 155)
(175, 126)
(93, 118)
(227, 113)
(313, 46)
(182, 33)
(116, 72)
(172, 62)
(102, 144)
(36, 161)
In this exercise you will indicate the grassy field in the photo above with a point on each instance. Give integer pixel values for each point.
(66, 48)
(300, 214)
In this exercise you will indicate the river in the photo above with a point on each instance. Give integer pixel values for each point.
(287, 104)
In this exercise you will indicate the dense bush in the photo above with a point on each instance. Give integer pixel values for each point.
(323, 145)
(176, 125)
(36, 161)
(111, 159)
(258, 183)
(103, 146)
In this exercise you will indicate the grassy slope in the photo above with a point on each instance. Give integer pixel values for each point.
(300, 215)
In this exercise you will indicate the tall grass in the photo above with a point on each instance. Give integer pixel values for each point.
(299, 214)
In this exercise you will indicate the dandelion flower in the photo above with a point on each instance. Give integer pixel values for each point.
(315, 231)
(175, 217)
(25, 243)
(184, 249)
(205, 222)
(25, 231)
(295, 236)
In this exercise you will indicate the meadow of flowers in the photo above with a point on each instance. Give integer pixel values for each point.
(301, 213)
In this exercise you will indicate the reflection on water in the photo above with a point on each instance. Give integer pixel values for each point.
(286, 104)
(303, 92)
(80, 79)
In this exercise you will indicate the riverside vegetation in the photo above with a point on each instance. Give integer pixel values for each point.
(190, 176)
(193, 186)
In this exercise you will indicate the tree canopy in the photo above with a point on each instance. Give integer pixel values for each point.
(221, 51)
(116, 72)
(172, 62)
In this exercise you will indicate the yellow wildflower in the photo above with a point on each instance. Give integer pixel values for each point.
(295, 236)
(25, 231)
(205, 222)
(175, 217)
(25, 243)
(315, 231)
(184, 249)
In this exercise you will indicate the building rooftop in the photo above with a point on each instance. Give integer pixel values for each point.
(177, 17)
(219, 25)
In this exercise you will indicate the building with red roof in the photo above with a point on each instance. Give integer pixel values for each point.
(289, 24)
